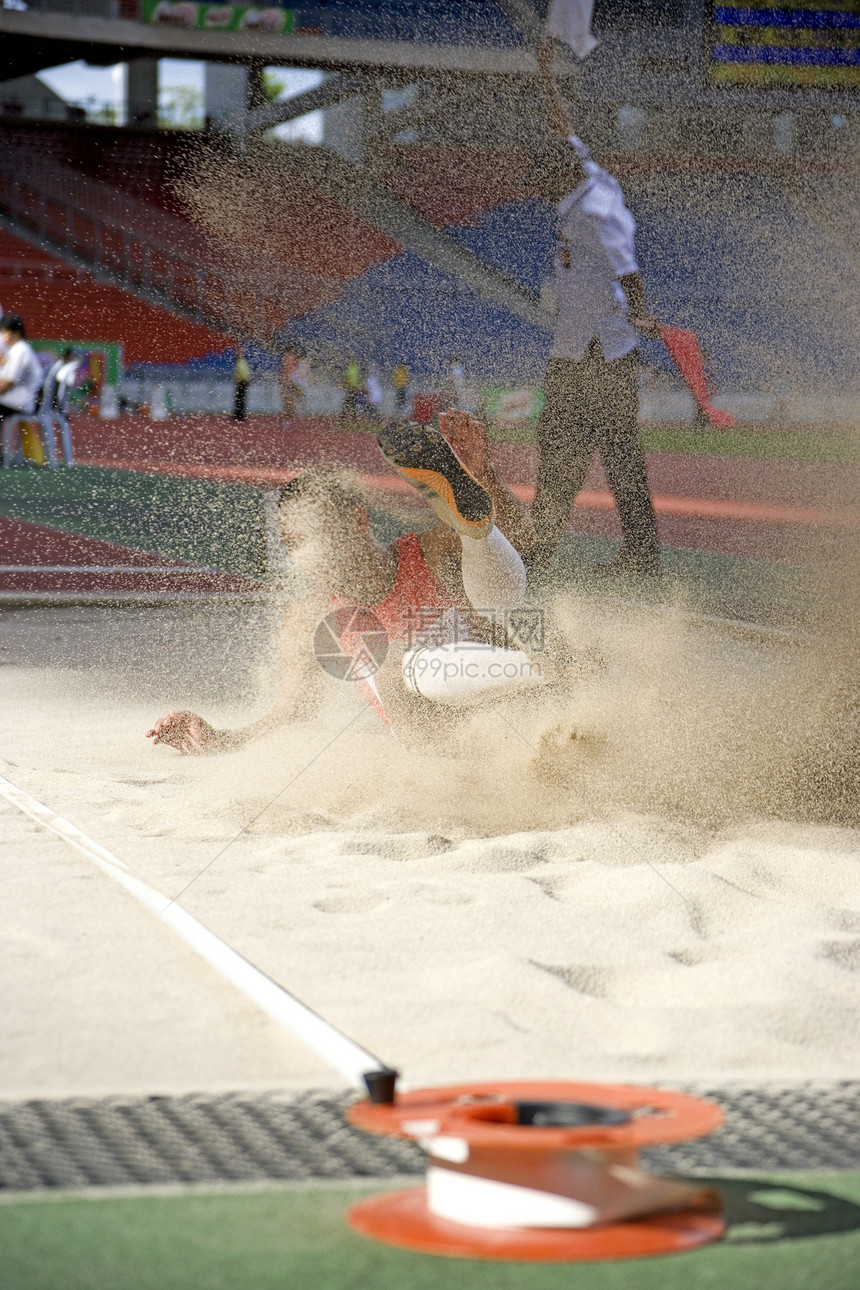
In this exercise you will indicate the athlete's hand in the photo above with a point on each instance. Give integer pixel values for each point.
(468, 437)
(186, 732)
(647, 324)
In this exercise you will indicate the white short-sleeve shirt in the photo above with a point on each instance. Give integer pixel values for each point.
(22, 368)
(595, 248)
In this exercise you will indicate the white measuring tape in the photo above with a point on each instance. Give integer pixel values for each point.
(346, 1057)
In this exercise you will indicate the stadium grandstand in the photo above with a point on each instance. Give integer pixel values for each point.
(406, 233)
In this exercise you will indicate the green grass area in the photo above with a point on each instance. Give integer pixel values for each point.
(751, 439)
(795, 444)
(786, 1233)
(203, 521)
(763, 591)
(761, 441)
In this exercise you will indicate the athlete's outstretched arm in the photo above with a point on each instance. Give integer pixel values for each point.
(301, 684)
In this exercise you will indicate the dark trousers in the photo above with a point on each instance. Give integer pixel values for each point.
(10, 452)
(349, 407)
(592, 405)
(240, 400)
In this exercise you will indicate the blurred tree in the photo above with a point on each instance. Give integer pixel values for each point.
(180, 107)
(273, 85)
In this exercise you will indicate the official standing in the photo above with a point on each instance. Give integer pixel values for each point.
(591, 398)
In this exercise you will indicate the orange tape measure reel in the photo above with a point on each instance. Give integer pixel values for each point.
(541, 1172)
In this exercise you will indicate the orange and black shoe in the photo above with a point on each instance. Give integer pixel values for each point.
(425, 459)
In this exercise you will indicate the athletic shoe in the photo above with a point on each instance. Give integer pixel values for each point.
(425, 459)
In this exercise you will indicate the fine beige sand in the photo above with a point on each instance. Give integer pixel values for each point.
(665, 892)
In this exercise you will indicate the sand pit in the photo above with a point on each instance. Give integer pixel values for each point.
(654, 897)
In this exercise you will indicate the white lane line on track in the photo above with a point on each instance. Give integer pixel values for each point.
(349, 1059)
(103, 568)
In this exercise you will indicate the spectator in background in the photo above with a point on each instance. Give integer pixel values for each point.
(67, 374)
(351, 387)
(455, 383)
(51, 382)
(400, 381)
(289, 363)
(374, 391)
(295, 374)
(301, 380)
(54, 399)
(241, 381)
(20, 379)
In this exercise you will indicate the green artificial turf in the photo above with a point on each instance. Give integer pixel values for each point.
(799, 444)
(221, 526)
(788, 1233)
(749, 439)
(203, 521)
(769, 592)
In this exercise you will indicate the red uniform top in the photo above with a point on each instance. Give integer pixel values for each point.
(412, 605)
(417, 597)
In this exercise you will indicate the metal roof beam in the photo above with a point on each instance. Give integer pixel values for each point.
(130, 39)
(434, 101)
(332, 90)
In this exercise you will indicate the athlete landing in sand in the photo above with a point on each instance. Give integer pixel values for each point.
(469, 562)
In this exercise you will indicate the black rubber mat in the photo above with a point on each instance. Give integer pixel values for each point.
(236, 1137)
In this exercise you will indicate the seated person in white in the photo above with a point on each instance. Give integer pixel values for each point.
(20, 379)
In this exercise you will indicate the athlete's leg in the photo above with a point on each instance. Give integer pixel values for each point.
(463, 670)
(423, 457)
(494, 576)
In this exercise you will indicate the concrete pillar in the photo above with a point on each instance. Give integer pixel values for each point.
(141, 93)
(785, 134)
(630, 127)
(343, 129)
(225, 95)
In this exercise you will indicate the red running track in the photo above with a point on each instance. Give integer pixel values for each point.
(799, 511)
(769, 509)
(44, 561)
